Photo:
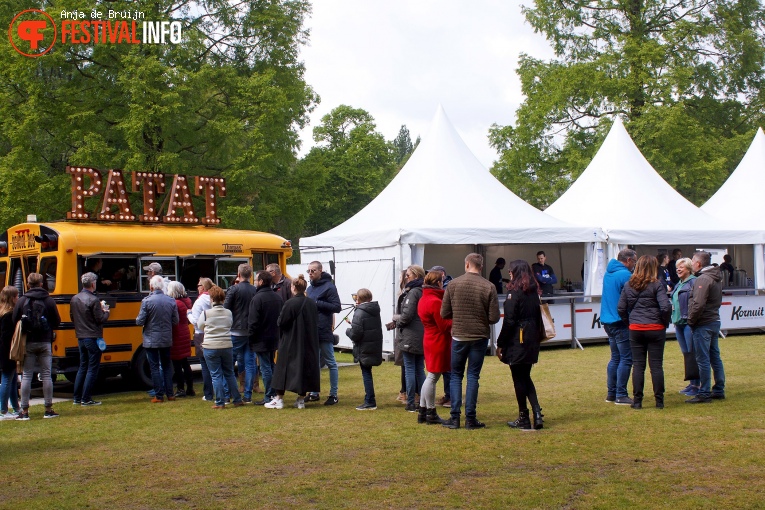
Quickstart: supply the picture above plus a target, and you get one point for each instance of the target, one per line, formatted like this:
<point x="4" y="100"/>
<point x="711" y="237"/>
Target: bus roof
<point x="176" y="240"/>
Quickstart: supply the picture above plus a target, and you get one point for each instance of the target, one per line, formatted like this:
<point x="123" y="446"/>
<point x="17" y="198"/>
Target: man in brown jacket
<point x="471" y="302"/>
<point x="704" y="319"/>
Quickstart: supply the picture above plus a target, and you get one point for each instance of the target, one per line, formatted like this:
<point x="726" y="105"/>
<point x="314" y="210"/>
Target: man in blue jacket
<point x="323" y="291"/>
<point x="618" y="272"/>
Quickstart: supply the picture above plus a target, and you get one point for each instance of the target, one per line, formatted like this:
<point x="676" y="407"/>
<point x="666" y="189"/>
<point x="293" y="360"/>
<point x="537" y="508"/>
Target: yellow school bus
<point x="117" y="253"/>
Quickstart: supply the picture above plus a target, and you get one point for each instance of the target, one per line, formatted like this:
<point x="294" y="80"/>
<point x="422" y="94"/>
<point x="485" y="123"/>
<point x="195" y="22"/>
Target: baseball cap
<point x="437" y="268"/>
<point x="154" y="266"/>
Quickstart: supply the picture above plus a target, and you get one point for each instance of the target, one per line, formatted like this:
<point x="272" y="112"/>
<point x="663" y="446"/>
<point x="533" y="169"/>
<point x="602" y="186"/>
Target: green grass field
<point x="129" y="453"/>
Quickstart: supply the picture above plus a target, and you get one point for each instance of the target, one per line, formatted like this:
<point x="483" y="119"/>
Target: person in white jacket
<point x="200" y="305"/>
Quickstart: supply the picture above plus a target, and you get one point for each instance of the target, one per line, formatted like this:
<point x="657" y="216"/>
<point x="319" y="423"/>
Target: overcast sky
<point x="400" y="59"/>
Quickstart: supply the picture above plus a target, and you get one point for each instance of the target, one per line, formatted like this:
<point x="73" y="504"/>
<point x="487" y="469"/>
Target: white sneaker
<point x="299" y="403"/>
<point x="10" y="415"/>
<point x="276" y="403"/>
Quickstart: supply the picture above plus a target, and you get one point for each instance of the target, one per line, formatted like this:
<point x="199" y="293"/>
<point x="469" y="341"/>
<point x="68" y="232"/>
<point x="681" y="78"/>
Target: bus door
<point x="226" y="270"/>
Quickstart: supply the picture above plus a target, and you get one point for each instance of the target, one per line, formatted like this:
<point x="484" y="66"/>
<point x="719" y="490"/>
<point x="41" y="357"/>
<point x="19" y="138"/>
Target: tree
<point x="403" y="146"/>
<point x="227" y="101"/>
<point x="350" y="166"/>
<point x="686" y="76"/>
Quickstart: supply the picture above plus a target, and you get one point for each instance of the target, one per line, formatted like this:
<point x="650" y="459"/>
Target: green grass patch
<point x="129" y="453"/>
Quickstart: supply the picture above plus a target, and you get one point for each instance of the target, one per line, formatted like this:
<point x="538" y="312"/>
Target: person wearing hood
<point x="436" y="343"/>
<point x="367" y="337"/>
<point x="704" y="319"/>
<point x="324" y="293"/>
<point x="265" y="307"/>
<point x="410" y="334"/>
<point x="618" y="272"/>
<point x="39" y="340"/>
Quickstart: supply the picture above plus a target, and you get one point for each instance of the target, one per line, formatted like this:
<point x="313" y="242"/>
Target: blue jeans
<point x="414" y="364"/>
<point x="266" y="361"/>
<point x="473" y="354"/>
<point x="369" y="385"/>
<point x="245" y="360"/>
<point x="221" y="365"/>
<point x="447" y="385"/>
<point x="327" y="357"/>
<point x="618" y="370"/>
<point x="90" y="360"/>
<point x="159" y="358"/>
<point x="9" y="390"/>
<point x="708" y="357"/>
<point x="684" y="336"/>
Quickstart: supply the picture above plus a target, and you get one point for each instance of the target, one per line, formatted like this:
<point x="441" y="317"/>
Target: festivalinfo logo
<point x="34" y="32"/>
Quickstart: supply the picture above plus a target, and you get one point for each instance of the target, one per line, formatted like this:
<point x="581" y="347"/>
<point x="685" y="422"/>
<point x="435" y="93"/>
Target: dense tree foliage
<point x="227" y="101"/>
<point x="686" y="76"/>
<point x="350" y="165"/>
<point x="402" y="145"/>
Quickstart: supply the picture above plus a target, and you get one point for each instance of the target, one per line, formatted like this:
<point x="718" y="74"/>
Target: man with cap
<point x="155" y="269"/>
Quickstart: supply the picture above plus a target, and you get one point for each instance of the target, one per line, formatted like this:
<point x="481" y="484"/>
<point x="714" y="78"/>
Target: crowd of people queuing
<point x="284" y="329"/>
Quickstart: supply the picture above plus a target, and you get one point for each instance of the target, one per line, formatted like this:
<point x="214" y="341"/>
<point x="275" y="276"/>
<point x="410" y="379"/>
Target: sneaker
<point x="411" y="408"/>
<point x="312" y="397"/>
<point x="247" y="400"/>
<point x="699" y="400"/>
<point x="76" y="402"/>
<point x="262" y="402"/>
<point x="50" y="414"/>
<point x="692" y="391"/>
<point x="180" y="394"/>
<point x="277" y="403"/>
<point x="90" y="403"/>
<point x="299" y="403"/>
<point x="151" y="393"/>
<point x="682" y="392"/>
<point x="23" y="416"/>
<point x="402" y="397"/>
<point x="157" y="400"/>
<point x="10" y="415"/>
<point x="331" y="400"/>
<point x="366" y="407"/>
<point x="623" y="401"/>
<point x="611" y="398"/>
<point x="473" y="424"/>
<point x="207" y="399"/>
<point x="718" y="396"/>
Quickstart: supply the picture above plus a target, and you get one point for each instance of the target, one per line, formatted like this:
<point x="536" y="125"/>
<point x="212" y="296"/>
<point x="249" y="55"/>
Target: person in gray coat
<point x="411" y="332"/>
<point x="158" y="315"/>
<point x="88" y="315"/>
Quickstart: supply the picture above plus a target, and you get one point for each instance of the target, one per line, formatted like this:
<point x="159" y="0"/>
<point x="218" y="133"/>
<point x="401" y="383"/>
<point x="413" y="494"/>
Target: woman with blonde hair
<point x="644" y="305"/>
<point x="683" y="333"/>
<point x="9" y="388"/>
<point x="410" y="334"/>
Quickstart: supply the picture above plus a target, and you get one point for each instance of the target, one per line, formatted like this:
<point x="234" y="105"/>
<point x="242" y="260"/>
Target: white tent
<point x="622" y="193"/>
<point x="442" y="196"/>
<point x="735" y="203"/>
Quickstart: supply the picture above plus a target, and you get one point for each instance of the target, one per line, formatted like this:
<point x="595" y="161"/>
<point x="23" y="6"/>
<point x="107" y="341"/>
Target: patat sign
<point x="115" y="204"/>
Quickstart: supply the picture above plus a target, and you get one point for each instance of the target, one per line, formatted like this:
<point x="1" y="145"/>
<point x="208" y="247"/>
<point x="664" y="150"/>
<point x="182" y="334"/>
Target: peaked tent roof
<point x="471" y="206"/>
<point x="622" y="193"/>
<point x="734" y="201"/>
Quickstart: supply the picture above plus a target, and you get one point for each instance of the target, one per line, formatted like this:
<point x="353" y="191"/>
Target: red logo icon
<point x="27" y="33"/>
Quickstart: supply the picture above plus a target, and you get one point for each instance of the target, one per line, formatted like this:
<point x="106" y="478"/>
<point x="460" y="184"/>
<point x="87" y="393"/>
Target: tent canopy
<point x="622" y="193"/>
<point x="444" y="195"/>
<point x="735" y="202"/>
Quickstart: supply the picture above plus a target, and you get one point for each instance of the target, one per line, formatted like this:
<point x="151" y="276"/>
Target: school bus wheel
<point x="141" y="370"/>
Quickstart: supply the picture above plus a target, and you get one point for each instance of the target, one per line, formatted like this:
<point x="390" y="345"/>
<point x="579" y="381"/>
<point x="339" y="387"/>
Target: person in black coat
<point x="265" y="307"/>
<point x="297" y="367"/>
<point x="367" y="337"/>
<point x="519" y="339"/>
<point x="9" y="385"/>
<point x="644" y="305"/>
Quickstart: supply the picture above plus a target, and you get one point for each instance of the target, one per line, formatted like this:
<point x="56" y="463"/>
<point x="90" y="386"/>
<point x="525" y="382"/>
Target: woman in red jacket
<point x="436" y="342"/>
<point x="181" y="348"/>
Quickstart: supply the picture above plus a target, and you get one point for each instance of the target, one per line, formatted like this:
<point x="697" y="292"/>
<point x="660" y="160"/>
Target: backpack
<point x="33" y="318"/>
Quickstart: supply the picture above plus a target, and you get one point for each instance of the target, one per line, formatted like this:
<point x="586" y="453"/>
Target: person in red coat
<point x="436" y="342"/>
<point x="181" y="348"/>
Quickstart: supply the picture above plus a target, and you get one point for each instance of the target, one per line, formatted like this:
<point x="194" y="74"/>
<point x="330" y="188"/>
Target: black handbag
<point x="691" y="367"/>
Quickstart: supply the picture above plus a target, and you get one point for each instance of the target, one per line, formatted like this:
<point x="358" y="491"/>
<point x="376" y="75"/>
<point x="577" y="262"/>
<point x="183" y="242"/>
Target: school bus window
<point x="31" y="264"/>
<point x="48" y="266"/>
<point x="114" y="273"/>
<point x="257" y="262"/>
<point x="168" y="270"/>
<point x="3" y="273"/>
<point x="193" y="269"/>
<point x="272" y="258"/>
<point x="227" y="271"/>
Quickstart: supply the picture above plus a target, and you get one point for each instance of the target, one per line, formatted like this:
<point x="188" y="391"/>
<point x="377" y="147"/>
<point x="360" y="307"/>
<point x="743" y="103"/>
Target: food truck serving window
<point x="169" y="269"/>
<point x="227" y="269"/>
